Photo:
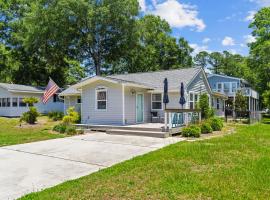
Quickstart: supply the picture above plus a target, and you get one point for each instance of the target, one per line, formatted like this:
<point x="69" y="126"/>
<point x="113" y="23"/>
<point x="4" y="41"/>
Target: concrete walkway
<point x="34" y="166"/>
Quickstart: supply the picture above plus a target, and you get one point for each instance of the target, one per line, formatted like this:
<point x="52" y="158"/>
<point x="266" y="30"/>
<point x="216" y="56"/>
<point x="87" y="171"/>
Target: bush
<point x="30" y="116"/>
<point x="71" y="117"/>
<point x="204" y="106"/>
<point x="67" y="120"/>
<point x="191" y="131"/>
<point x="206" y="128"/>
<point x="56" y="115"/>
<point x="71" y="130"/>
<point x="60" y="128"/>
<point x="216" y="123"/>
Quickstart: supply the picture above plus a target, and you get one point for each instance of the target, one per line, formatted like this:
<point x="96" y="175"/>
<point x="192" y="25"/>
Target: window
<point x="234" y="87"/>
<point x="79" y="100"/>
<point x="219" y="87"/>
<point x="193" y="100"/>
<point x="56" y="98"/>
<point x="156" y="101"/>
<point x="101" y="98"/>
<point x="226" y="87"/>
<point x="14" y="102"/>
<point x="3" y="102"/>
<point x="8" y="102"/>
<point x="218" y="103"/>
<point x="21" y="103"/>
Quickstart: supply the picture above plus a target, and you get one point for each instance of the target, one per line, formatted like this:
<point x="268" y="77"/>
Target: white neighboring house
<point x="135" y="98"/>
<point x="12" y="95"/>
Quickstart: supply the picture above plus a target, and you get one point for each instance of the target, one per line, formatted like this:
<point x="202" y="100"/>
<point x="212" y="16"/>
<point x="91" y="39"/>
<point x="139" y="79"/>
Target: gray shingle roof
<point x="155" y="79"/>
<point x="70" y="91"/>
<point x="17" y="87"/>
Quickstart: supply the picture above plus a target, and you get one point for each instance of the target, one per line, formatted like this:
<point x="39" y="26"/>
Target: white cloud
<point x="142" y="4"/>
<point x="197" y="48"/>
<point x="250" y="16"/>
<point x="261" y="3"/>
<point x="228" y="41"/>
<point x="178" y="15"/>
<point x="206" y="40"/>
<point x="249" y="39"/>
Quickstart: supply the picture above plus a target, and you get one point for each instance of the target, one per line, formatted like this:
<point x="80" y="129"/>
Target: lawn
<point x="236" y="166"/>
<point x="11" y="133"/>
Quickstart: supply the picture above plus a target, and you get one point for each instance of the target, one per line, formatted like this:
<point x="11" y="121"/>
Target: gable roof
<point x="22" y="88"/>
<point x="149" y="80"/>
<point x="229" y="77"/>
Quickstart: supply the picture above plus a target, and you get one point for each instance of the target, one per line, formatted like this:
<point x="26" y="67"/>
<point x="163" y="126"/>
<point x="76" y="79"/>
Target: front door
<point x="139" y="108"/>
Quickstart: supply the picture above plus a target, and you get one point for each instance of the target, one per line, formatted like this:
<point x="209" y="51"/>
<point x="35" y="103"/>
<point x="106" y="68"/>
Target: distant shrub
<point x="71" y="130"/>
<point x="191" y="131"/>
<point x="30" y="116"/>
<point x="216" y="123"/>
<point x="56" y="115"/>
<point x="60" y="128"/>
<point x="206" y="128"/>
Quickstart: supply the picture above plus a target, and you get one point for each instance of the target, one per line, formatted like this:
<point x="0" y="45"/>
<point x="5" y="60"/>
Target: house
<point x="229" y="86"/>
<point x="12" y="95"/>
<point x="135" y="98"/>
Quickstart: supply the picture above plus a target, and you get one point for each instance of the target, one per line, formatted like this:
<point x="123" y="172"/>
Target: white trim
<point x="194" y="102"/>
<point x="156" y="101"/>
<point x="101" y="89"/>
<point x="123" y="105"/>
<point x="139" y="93"/>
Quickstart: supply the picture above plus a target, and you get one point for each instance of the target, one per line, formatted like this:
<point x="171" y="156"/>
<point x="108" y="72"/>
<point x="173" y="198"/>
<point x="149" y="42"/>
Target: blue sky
<point x="211" y="25"/>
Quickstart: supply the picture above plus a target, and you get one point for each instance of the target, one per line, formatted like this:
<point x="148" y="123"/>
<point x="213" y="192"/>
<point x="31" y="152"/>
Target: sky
<point x="210" y="25"/>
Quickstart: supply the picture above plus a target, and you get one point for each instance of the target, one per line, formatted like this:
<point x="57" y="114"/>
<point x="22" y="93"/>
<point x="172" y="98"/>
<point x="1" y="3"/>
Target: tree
<point x="204" y="106"/>
<point x="260" y="49"/>
<point x="215" y="60"/>
<point x="201" y="59"/>
<point x="30" y="116"/>
<point x="266" y="97"/>
<point x="185" y="52"/>
<point x="240" y="104"/>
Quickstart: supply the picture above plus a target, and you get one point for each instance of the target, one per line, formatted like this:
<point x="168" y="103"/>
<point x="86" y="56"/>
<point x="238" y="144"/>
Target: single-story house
<point x="135" y="98"/>
<point x="12" y="95"/>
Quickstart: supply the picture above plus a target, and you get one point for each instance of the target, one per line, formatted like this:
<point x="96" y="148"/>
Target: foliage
<point x="216" y="123"/>
<point x="30" y="116"/>
<point x="204" y="106"/>
<point x="240" y="102"/>
<point x="266" y="97"/>
<point x="56" y="115"/>
<point x="206" y="128"/>
<point x="71" y="117"/>
<point x="71" y="130"/>
<point x="30" y="101"/>
<point x="61" y="128"/>
<point x="191" y="131"/>
<point x="201" y="59"/>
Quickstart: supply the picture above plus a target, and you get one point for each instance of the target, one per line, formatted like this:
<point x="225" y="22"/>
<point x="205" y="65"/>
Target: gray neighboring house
<point x="12" y="95"/>
<point x="135" y="98"/>
<point x="228" y="86"/>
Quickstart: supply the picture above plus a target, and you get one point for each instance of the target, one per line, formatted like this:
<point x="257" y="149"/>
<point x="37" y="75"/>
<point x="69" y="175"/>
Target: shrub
<point x="216" y="123"/>
<point x="30" y="116"/>
<point x="60" y="128"/>
<point x="191" y="131"/>
<point x="71" y="117"/>
<point x="71" y="130"/>
<point x="206" y="128"/>
<point x="30" y="101"/>
<point x="204" y="106"/>
<point x="56" y="115"/>
<point x="67" y="120"/>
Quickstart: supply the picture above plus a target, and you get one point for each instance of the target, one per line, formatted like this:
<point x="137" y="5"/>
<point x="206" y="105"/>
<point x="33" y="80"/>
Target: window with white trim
<point x="234" y="86"/>
<point x="101" y="99"/>
<point x="219" y="87"/>
<point x="157" y="101"/>
<point x="193" y="100"/>
<point x="218" y="104"/>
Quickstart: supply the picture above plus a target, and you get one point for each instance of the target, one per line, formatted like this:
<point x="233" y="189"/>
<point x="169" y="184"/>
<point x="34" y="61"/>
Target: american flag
<point x="50" y="90"/>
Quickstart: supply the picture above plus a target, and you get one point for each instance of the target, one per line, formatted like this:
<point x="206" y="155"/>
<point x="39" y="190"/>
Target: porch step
<point x="138" y="133"/>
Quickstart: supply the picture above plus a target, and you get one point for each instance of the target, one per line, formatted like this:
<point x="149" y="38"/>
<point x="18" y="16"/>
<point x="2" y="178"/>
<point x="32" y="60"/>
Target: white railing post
<point x="166" y="121"/>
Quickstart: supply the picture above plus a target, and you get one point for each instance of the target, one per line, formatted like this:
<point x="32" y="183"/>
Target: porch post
<point x="166" y="120"/>
<point x="123" y="105"/>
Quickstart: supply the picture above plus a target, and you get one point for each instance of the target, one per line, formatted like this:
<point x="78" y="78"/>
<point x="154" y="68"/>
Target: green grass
<point x="11" y="133"/>
<point x="236" y="166"/>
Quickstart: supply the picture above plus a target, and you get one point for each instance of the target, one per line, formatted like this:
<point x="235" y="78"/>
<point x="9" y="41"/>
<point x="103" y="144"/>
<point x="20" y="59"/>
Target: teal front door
<point x="139" y="108"/>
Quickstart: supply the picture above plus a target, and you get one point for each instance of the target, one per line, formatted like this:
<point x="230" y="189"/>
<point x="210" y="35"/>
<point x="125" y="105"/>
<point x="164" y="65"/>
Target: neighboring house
<point x="135" y="98"/>
<point x="229" y="86"/>
<point x="12" y="95"/>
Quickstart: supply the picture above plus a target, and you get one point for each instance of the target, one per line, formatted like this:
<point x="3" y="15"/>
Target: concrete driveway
<point x="34" y="166"/>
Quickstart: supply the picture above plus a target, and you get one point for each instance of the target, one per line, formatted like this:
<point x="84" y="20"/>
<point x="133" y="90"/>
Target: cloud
<point x="178" y="15"/>
<point x="142" y="4"/>
<point x="228" y="41"/>
<point x="250" y="16"/>
<point x="249" y="39"/>
<point x="206" y="40"/>
<point x="197" y="48"/>
<point x="261" y="3"/>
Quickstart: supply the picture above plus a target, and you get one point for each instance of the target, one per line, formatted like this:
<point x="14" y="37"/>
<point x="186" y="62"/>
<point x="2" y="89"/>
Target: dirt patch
<point x="38" y="124"/>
